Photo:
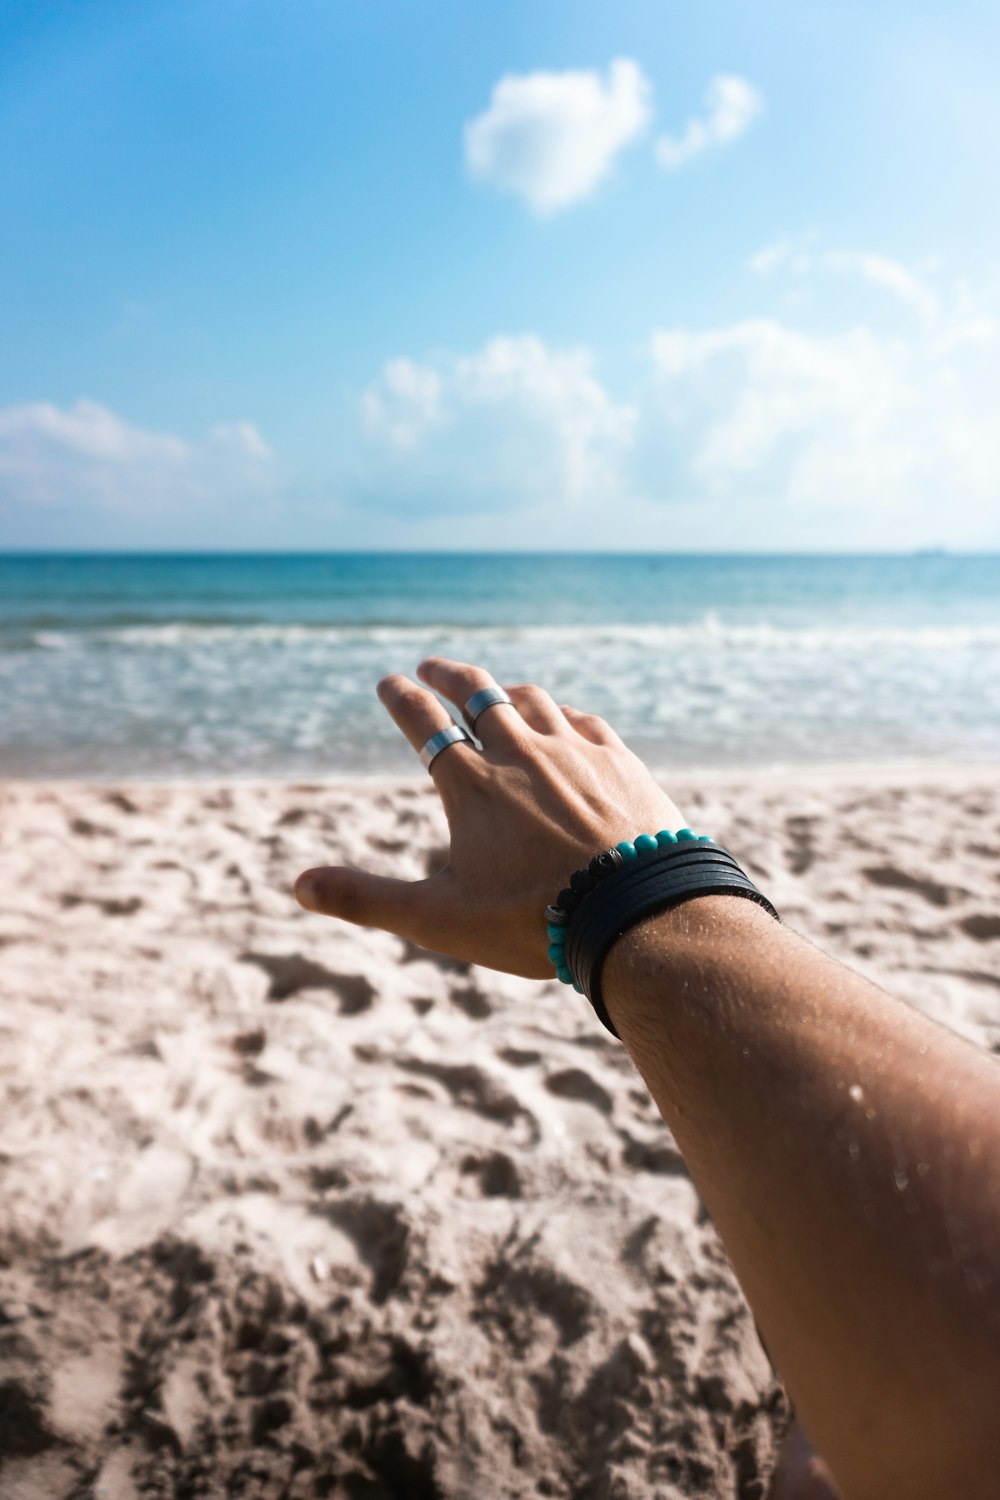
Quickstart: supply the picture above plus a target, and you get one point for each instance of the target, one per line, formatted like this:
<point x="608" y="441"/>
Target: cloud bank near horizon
<point x="876" y="430"/>
<point x="866" y="424"/>
<point x="85" y="456"/>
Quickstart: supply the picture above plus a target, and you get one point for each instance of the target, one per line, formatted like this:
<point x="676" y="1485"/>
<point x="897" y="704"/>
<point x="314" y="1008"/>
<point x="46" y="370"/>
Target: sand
<point x="290" y="1209"/>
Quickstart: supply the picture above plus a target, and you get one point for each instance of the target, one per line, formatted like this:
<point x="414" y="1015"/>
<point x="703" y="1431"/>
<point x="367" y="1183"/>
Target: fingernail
<point x="306" y="893"/>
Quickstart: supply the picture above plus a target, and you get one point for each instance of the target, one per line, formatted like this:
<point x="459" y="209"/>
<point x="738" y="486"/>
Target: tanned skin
<point x="847" y="1148"/>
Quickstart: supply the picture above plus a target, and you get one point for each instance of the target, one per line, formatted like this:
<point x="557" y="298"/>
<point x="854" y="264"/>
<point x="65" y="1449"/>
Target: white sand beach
<point x="290" y="1209"/>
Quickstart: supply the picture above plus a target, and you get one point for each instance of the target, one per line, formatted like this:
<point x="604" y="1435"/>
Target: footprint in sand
<point x="982" y="926"/>
<point x="519" y="1057"/>
<point x="381" y="1236"/>
<point x="470" y="999"/>
<point x="802" y="854"/>
<point x="291" y="972"/>
<point x="472" y="1088"/>
<point x="518" y="1286"/>
<point x="893" y="879"/>
<point x="574" y="1083"/>
<point x="496" y="1174"/>
<point x="658" y="1156"/>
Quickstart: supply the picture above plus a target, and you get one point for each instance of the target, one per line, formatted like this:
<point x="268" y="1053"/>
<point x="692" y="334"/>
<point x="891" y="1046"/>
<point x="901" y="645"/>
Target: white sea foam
<point x="707" y="632"/>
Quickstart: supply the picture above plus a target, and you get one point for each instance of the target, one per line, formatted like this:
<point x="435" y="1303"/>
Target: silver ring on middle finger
<point x="487" y="697"/>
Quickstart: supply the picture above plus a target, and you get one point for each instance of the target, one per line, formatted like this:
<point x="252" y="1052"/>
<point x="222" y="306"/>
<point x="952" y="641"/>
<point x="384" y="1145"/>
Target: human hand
<point x="551" y="787"/>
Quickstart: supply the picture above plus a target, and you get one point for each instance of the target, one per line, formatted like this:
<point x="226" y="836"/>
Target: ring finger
<point x="590" y="726"/>
<point x="538" y="708"/>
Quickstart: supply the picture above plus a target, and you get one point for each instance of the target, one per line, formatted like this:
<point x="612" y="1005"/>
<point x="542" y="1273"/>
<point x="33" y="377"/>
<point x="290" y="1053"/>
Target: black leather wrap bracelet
<point x="663" y="878"/>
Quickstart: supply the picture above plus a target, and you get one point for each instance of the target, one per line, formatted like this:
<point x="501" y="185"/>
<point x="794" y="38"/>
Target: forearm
<point x="849" y="1152"/>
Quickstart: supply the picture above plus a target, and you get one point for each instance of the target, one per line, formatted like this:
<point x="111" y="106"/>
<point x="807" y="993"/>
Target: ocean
<point x="209" y="666"/>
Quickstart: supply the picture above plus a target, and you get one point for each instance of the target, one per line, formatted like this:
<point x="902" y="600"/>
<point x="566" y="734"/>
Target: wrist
<point x="677" y="957"/>
<point x="621" y="887"/>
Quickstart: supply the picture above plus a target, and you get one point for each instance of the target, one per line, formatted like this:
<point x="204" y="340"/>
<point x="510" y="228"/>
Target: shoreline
<point x="902" y="770"/>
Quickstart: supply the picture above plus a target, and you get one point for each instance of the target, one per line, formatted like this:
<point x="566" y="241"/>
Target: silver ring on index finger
<point x="431" y="749"/>
<point x="477" y="705"/>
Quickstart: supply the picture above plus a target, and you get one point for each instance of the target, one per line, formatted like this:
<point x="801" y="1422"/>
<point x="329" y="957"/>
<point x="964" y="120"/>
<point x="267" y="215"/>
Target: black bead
<point x="568" y="901"/>
<point x="582" y="881"/>
<point x="555" y="916"/>
<point x="602" y="864"/>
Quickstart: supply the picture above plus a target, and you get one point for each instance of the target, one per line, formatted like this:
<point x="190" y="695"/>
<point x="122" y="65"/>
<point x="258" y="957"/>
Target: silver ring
<point x="481" y="701"/>
<point x="440" y="741"/>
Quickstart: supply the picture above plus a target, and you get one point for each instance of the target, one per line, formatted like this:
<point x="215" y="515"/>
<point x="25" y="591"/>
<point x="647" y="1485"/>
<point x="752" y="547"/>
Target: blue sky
<point x="533" y="274"/>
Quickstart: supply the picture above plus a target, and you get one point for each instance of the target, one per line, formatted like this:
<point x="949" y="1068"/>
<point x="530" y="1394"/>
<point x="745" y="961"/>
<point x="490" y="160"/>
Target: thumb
<point x="357" y="896"/>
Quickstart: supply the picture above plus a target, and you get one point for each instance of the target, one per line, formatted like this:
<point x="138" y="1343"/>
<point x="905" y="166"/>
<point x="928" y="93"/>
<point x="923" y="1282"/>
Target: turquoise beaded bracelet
<point x="557" y="915"/>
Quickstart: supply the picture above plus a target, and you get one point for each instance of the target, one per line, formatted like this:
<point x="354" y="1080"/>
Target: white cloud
<point x="783" y="255"/>
<point x="950" y="318"/>
<point x="888" y="275"/>
<point x="404" y="405"/>
<point x="551" y="138"/>
<point x="757" y="393"/>
<point x="860" y="423"/>
<point x="241" y="437"/>
<point x="891" y="433"/>
<point x="86" y="455"/>
<point x="731" y="106"/>
<point x="515" y="424"/>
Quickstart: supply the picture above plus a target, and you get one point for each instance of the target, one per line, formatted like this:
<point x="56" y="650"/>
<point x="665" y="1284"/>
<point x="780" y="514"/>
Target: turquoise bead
<point x="557" y="954"/>
<point x="578" y="987"/>
<point x="564" y="974"/>
<point x="687" y="835"/>
<point x="627" y="851"/>
<point x="665" y="837"/>
<point x="555" y="934"/>
<point x="706" y="838"/>
<point x="644" y="843"/>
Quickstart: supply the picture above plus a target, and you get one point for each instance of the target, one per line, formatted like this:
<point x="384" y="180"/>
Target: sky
<point x="430" y="274"/>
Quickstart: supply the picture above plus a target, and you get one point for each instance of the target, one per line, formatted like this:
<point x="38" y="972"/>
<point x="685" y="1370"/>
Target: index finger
<point x="419" y="715"/>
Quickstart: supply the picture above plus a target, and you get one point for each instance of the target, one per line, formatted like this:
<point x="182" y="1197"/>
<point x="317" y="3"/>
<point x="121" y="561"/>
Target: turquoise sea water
<point x="265" y="665"/>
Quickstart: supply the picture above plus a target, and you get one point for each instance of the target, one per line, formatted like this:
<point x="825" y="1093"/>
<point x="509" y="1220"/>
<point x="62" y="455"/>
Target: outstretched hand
<point x="550" y="787"/>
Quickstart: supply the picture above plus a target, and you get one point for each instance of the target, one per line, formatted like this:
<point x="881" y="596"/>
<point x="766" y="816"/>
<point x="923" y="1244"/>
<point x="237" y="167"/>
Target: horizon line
<point x="305" y="552"/>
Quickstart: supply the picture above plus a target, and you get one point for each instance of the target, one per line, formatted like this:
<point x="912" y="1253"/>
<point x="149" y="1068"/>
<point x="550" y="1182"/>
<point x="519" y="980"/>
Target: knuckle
<point x="477" y="768"/>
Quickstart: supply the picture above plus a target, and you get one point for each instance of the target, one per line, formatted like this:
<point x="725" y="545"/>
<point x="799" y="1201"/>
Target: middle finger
<point x="457" y="681"/>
